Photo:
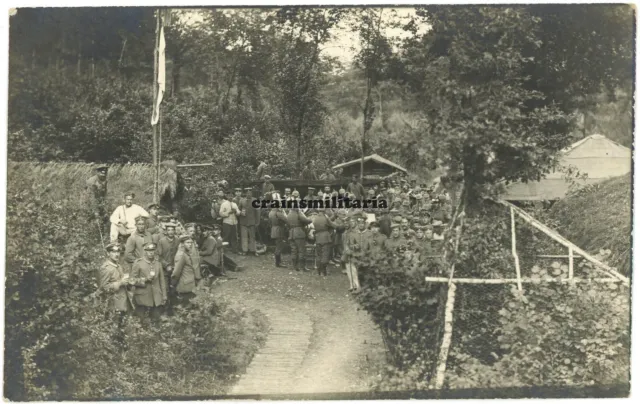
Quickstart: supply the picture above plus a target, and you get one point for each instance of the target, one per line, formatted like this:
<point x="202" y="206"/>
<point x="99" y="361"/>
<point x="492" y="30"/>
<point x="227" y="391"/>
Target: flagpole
<point x="155" y="96"/>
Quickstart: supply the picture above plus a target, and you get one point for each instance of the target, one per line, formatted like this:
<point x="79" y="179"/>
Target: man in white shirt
<point x="229" y="212"/>
<point x="123" y="219"/>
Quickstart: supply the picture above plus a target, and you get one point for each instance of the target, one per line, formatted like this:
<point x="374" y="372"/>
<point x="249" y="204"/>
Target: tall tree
<point x="299" y="68"/>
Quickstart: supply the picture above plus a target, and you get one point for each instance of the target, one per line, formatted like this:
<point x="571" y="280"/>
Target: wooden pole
<point x="570" y="263"/>
<point x="514" y="251"/>
<point x="446" y="338"/>
<point x="436" y="279"/>
<point x="557" y="237"/>
<point x="155" y="96"/>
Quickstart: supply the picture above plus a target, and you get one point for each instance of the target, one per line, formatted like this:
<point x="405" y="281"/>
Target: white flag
<point x="161" y="77"/>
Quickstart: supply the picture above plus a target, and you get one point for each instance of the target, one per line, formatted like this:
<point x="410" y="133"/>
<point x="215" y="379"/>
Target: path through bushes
<point x="318" y="342"/>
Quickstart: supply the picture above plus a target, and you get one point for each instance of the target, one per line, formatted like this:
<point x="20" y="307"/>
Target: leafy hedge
<point x="59" y="335"/>
<point x="554" y="334"/>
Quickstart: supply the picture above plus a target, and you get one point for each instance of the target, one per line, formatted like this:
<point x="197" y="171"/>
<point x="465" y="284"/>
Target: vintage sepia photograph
<point x="319" y="202"/>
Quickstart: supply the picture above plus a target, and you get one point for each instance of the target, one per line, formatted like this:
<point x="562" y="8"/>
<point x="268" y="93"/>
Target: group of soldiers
<point x="155" y="263"/>
<point x="413" y="224"/>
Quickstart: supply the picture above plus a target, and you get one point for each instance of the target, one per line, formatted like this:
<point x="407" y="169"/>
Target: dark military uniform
<point x="297" y="234"/>
<point x="322" y="224"/>
<point x="184" y="276"/>
<point x="110" y="279"/>
<point x="134" y="248"/>
<point x="278" y="221"/>
<point x="110" y="273"/>
<point x="151" y="289"/>
<point x="248" y="223"/>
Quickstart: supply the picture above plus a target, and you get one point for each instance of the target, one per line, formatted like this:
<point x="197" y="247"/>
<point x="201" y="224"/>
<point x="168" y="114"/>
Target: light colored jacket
<point x="122" y="214"/>
<point x="229" y="212"/>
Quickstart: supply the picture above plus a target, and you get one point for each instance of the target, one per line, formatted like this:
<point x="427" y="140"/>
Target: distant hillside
<point x="599" y="217"/>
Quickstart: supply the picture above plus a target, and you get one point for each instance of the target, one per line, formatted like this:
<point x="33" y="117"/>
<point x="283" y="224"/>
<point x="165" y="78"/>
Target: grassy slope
<point x="599" y="217"/>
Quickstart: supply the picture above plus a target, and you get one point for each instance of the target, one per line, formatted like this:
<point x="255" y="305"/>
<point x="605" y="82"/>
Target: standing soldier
<point x="262" y="170"/>
<point x="310" y="194"/>
<point x="167" y="249"/>
<point x="151" y="288"/>
<point x="378" y="239"/>
<point x="215" y="206"/>
<point x="358" y="244"/>
<point x="97" y="195"/>
<point x="322" y="224"/>
<point x="153" y="224"/>
<point x="338" y="236"/>
<point x="114" y="280"/>
<point x="249" y="219"/>
<point x="184" y="276"/>
<point x="229" y="212"/>
<point x="308" y="173"/>
<point x="237" y="195"/>
<point x="297" y="222"/>
<point x="396" y="240"/>
<point x="328" y="175"/>
<point x="134" y="249"/>
<point x="278" y="220"/>
<point x="267" y="187"/>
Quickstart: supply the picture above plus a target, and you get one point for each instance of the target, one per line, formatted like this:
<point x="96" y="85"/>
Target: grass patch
<point x="599" y="217"/>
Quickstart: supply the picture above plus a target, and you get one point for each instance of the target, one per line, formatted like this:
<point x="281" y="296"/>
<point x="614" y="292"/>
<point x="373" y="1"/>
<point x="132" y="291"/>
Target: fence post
<point x="570" y="263"/>
<point x="513" y="248"/>
<point x="446" y="338"/>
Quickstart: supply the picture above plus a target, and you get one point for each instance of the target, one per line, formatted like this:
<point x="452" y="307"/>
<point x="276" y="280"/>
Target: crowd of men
<point x="413" y="224"/>
<point x="154" y="263"/>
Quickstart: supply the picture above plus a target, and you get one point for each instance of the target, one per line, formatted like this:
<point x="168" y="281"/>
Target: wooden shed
<point x="374" y="165"/>
<point x="597" y="156"/>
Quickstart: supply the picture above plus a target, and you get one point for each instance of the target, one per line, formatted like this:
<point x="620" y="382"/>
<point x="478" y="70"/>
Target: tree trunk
<point x="175" y="76"/>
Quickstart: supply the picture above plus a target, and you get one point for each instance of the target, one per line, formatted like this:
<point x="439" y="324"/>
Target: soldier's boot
<point x="279" y="263"/>
<point x="320" y="268"/>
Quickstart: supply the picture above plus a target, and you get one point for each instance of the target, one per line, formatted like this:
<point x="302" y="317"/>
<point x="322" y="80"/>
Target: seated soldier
<point x="211" y="252"/>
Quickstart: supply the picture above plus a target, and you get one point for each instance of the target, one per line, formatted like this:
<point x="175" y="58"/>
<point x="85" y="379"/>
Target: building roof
<point x="373" y="157"/>
<point x="596" y="156"/>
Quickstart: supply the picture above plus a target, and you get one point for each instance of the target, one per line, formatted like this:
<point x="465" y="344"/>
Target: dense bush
<point x="58" y="334"/>
<point x="554" y="334"/>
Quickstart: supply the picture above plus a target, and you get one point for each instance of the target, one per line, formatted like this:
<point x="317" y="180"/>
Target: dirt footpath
<point x="318" y="342"/>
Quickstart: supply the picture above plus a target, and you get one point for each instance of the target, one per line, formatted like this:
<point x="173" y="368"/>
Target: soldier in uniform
<point x="358" y="242"/>
<point x="308" y="173"/>
<point x="211" y="251"/>
<point x="396" y="240"/>
<point x="267" y="187"/>
<point x="310" y="196"/>
<point x="378" y="239"/>
<point x="97" y="195"/>
<point x="134" y="248"/>
<point x="150" y="287"/>
<point x="184" y="276"/>
<point x="113" y="279"/>
<point x="153" y="224"/>
<point x="297" y="221"/>
<point x="249" y="219"/>
<point x="237" y="195"/>
<point x="167" y="250"/>
<point x="322" y="225"/>
<point x="338" y="235"/>
<point x="278" y="220"/>
<point x="406" y="230"/>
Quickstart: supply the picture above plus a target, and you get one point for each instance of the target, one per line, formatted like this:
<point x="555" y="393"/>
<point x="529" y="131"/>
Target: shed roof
<point x="597" y="156"/>
<point x="373" y="157"/>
